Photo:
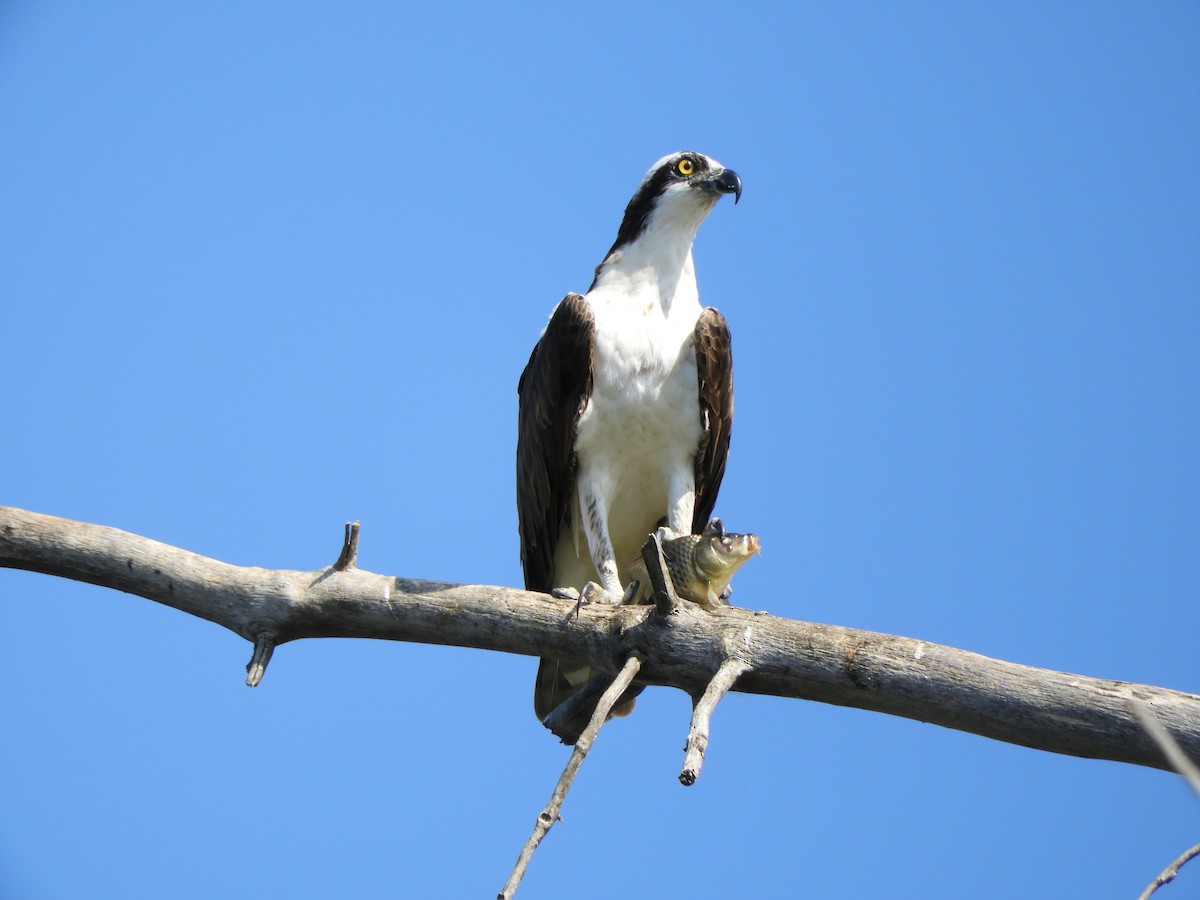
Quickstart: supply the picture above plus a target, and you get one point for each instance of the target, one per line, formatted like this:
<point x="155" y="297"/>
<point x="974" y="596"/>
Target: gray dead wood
<point x="1186" y="768"/>
<point x="702" y="711"/>
<point x="1171" y="872"/>
<point x="1037" y="708"/>
<point x="548" y="816"/>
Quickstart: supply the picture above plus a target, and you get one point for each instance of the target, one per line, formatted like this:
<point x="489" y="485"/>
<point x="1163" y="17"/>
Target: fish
<point x="702" y="565"/>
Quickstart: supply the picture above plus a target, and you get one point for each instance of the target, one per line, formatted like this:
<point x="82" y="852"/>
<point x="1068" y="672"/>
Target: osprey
<point x="625" y="408"/>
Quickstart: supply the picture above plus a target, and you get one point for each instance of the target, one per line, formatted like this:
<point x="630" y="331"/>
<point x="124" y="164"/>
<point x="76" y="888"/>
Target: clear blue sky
<point x="268" y="267"/>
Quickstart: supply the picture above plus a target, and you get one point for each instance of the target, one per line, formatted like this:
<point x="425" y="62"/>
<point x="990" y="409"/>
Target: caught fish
<point x="702" y="565"/>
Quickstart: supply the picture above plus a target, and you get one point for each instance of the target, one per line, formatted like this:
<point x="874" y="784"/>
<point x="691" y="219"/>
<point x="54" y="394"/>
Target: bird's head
<point x="677" y="193"/>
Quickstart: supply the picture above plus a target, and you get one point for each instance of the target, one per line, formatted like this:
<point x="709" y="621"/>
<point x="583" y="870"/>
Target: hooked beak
<point x="724" y="181"/>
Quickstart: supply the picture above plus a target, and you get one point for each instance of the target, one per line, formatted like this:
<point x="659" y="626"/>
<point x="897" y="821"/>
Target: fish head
<point x="720" y="553"/>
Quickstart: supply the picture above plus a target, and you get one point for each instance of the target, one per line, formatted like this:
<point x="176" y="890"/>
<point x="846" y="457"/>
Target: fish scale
<point x="702" y="565"/>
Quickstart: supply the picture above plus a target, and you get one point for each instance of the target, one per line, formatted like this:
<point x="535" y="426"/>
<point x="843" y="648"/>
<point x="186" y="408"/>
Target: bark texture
<point x="1038" y="708"/>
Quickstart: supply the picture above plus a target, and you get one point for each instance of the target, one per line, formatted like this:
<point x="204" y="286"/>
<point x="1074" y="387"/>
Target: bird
<point x="625" y="410"/>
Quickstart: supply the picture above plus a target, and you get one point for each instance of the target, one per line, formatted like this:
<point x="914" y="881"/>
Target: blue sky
<point x="270" y="267"/>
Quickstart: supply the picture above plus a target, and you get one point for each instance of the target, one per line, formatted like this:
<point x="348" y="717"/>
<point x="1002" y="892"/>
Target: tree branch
<point x="1038" y="708"/>
<point x="548" y="816"/>
<point x="1170" y="873"/>
<point x="348" y="558"/>
<point x="264" y="646"/>
<point x="1187" y="769"/>
<point x="702" y="710"/>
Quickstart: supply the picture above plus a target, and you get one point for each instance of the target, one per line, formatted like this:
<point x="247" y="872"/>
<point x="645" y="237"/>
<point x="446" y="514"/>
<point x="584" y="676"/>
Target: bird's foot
<point x="665" y="533"/>
<point x="595" y="593"/>
<point x="570" y="593"/>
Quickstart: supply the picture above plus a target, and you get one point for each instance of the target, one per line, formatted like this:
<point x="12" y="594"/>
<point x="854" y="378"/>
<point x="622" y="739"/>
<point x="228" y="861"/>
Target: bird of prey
<point x="626" y="406"/>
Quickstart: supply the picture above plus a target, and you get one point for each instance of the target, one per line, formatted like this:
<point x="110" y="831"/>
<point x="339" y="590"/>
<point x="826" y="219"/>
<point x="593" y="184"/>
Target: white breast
<point x="638" y="434"/>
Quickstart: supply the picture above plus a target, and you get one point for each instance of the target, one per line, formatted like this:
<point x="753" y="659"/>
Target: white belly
<point x="637" y="437"/>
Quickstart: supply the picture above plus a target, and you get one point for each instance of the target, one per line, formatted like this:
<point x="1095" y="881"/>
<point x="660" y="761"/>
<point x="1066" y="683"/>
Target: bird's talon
<point x="595" y="593"/>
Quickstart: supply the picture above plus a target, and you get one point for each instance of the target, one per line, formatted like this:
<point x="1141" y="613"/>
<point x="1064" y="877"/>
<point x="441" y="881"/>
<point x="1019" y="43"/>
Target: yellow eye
<point x="685" y="166"/>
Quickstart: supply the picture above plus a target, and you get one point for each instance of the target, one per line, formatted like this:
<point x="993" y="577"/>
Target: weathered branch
<point x="348" y="558"/>
<point x="264" y="646"/>
<point x="730" y="667"/>
<point x="1169" y="874"/>
<point x="548" y="816"/>
<point x="1037" y="708"/>
<point x="665" y="599"/>
<point x="1186" y="768"/>
<point x="702" y="709"/>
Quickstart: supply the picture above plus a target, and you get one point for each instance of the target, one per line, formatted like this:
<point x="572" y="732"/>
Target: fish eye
<point x="685" y="166"/>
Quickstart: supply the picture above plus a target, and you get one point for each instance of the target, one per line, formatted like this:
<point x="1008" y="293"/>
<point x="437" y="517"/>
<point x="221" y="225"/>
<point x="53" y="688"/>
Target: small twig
<point x="1168" y="874"/>
<point x="549" y="815"/>
<point x="1166" y="743"/>
<point x="264" y="646"/>
<point x="562" y="719"/>
<point x="1180" y="763"/>
<point x="702" y="710"/>
<point x="666" y="601"/>
<point x="349" y="555"/>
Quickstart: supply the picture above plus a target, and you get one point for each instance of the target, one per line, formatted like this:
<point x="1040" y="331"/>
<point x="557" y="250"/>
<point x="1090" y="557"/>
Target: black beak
<point x="725" y="181"/>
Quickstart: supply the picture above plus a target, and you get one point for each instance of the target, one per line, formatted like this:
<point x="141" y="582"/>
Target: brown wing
<point x="714" y="372"/>
<point x="553" y="389"/>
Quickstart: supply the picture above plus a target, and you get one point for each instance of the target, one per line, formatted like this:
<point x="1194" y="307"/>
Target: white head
<point x="682" y="187"/>
<point x="673" y="199"/>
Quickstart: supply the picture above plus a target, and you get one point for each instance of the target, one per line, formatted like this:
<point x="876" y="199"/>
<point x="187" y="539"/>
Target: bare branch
<point x="1039" y="708"/>
<point x="348" y="558"/>
<point x="562" y="719"/>
<point x="665" y="599"/>
<point x="1184" y="766"/>
<point x="264" y="646"/>
<point x="1167" y="743"/>
<point x="550" y="815"/>
<point x="1168" y="874"/>
<point x="702" y="710"/>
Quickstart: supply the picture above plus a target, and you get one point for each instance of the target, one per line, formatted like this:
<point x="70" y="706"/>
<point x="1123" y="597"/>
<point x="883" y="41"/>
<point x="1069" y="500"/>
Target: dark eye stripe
<point x="642" y="203"/>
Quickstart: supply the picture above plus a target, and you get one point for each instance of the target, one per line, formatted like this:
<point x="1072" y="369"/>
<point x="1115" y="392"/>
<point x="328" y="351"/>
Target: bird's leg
<point x="595" y="527"/>
<point x="681" y="501"/>
<point x="606" y="566"/>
